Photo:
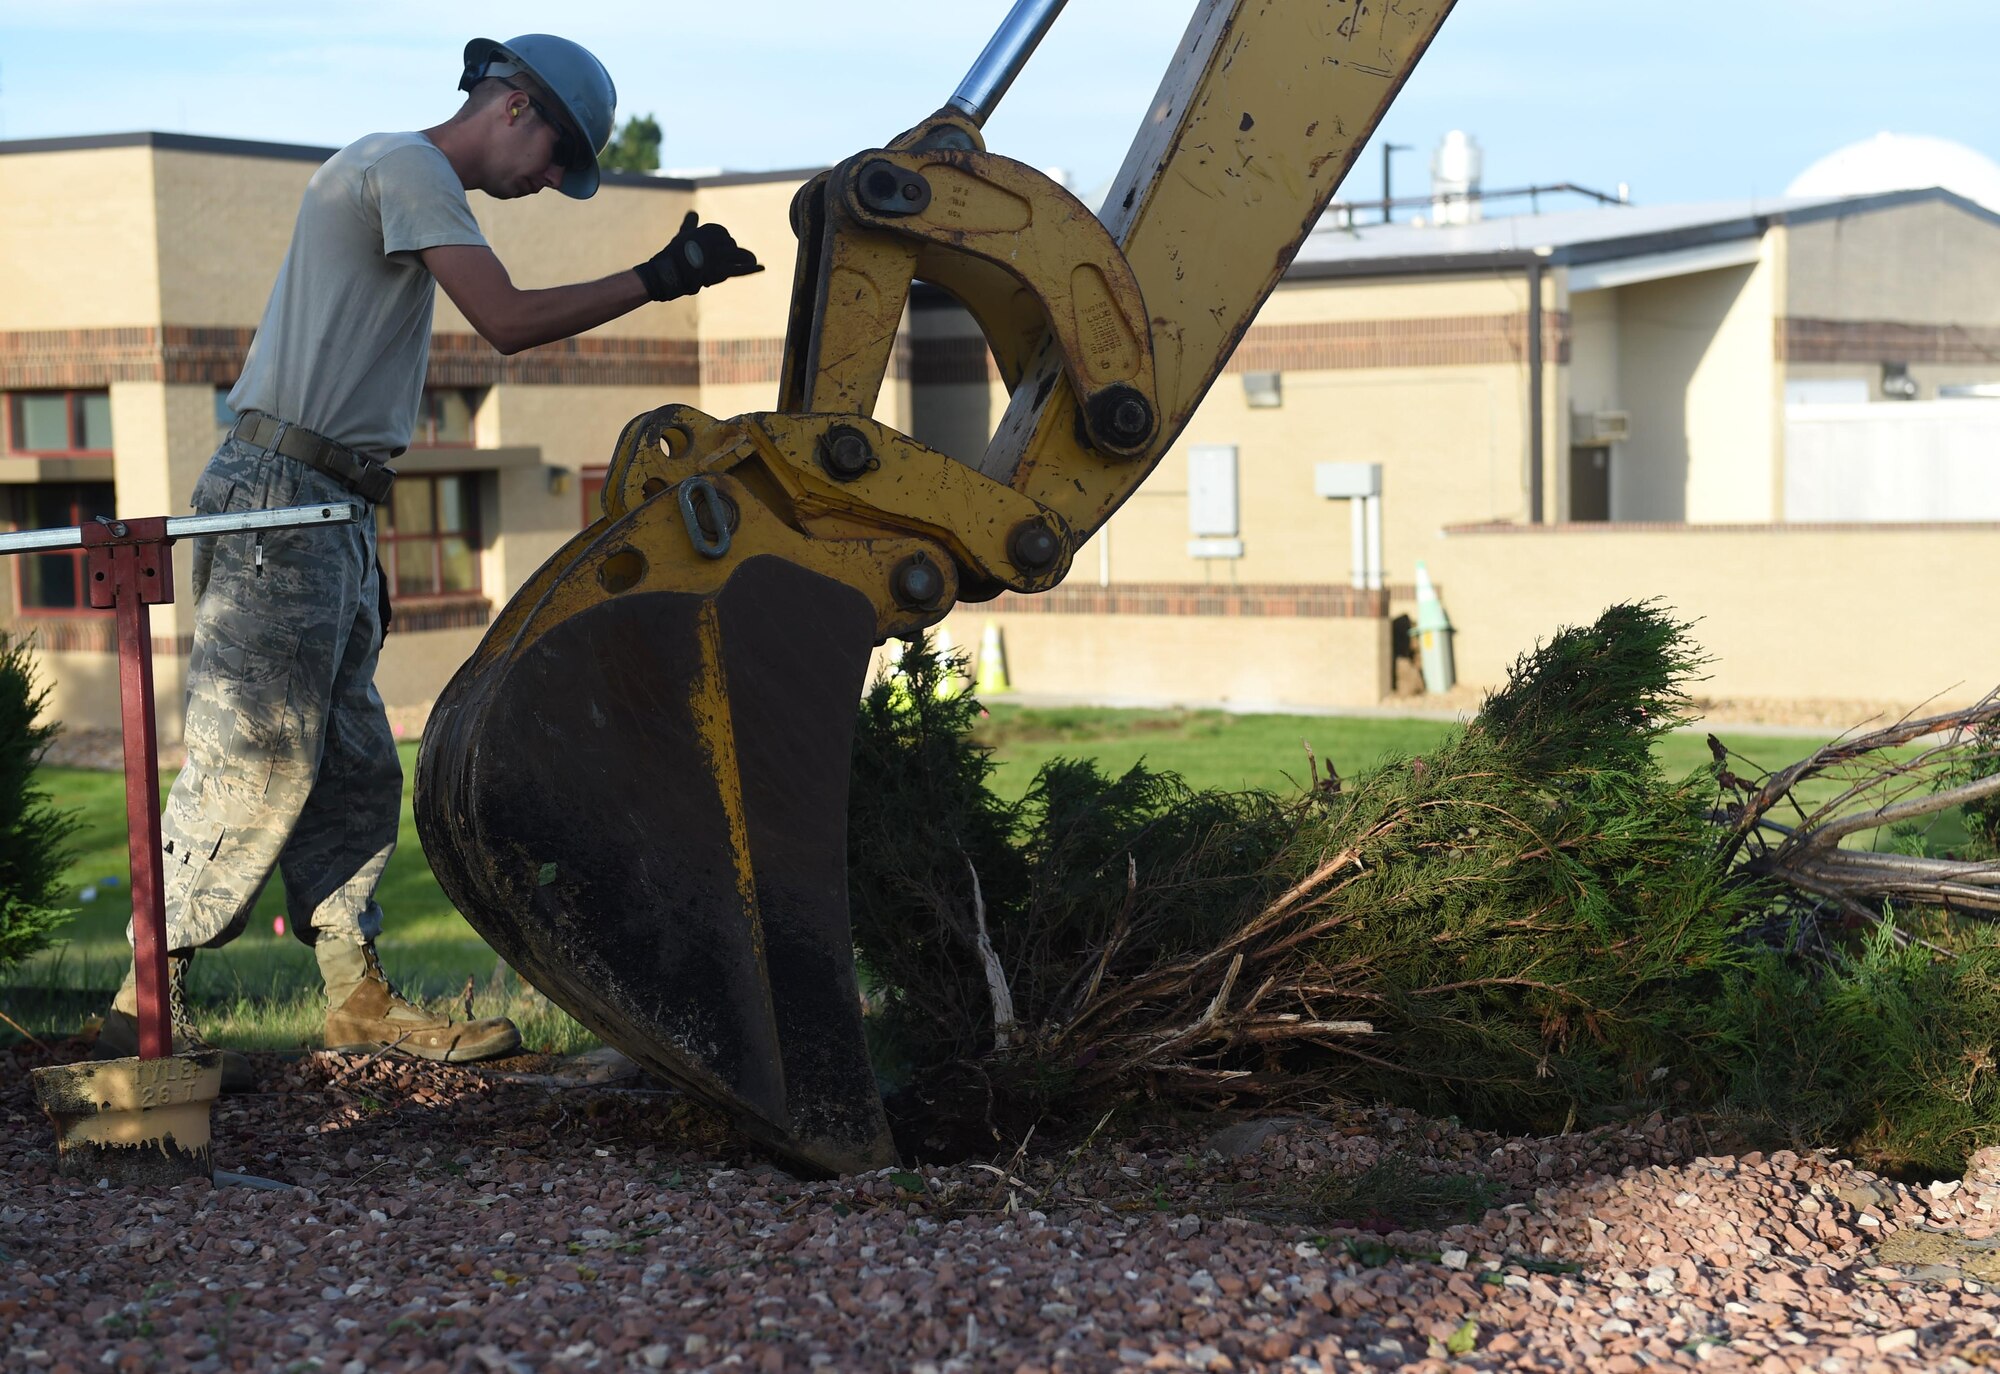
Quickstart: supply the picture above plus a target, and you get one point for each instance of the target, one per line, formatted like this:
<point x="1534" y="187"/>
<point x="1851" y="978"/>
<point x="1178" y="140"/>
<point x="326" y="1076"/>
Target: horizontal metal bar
<point x="34" y="541"/>
<point x="187" y="526"/>
<point x="1019" y="33"/>
<point x="283" y="518"/>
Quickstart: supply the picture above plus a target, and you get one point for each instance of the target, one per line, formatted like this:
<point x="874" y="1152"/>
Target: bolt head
<point x="845" y="452"/>
<point x="917" y="583"/>
<point x="1033" y="546"/>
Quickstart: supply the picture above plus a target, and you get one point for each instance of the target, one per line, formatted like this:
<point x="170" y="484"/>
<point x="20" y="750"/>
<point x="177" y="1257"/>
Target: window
<point x="593" y="493"/>
<point x="429" y="535"/>
<point x="54" y="582"/>
<point x="444" y="418"/>
<point x="59" y="423"/>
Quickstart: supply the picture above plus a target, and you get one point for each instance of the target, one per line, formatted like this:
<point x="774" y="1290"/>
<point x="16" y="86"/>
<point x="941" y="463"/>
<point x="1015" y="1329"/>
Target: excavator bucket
<point x="674" y="879"/>
<point x="636" y="790"/>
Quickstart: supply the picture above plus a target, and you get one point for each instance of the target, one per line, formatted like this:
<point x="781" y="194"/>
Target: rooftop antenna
<point x="1388" y="200"/>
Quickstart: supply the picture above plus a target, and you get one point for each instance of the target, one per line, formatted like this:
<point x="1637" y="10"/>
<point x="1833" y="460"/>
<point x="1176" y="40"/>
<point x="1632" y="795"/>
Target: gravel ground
<point x="445" y="1219"/>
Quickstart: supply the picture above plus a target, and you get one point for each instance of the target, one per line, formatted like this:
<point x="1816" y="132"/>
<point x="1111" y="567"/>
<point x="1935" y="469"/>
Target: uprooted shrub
<point x="1503" y="928"/>
<point x="1529" y="926"/>
<point x="34" y="835"/>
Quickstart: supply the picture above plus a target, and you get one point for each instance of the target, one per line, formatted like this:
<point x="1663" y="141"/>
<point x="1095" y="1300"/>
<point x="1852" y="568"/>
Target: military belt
<point x="357" y="472"/>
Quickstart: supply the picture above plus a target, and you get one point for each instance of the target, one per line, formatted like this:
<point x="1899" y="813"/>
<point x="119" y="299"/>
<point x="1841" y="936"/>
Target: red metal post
<point x="130" y="565"/>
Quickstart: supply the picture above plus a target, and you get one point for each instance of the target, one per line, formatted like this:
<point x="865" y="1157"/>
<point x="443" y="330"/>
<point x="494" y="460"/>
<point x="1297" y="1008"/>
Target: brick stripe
<point x="957" y="361"/>
<point x="197" y="354"/>
<point x="457" y="613"/>
<point x="1442" y="341"/>
<point x="88" y="634"/>
<point x="734" y="362"/>
<point x="1446" y="341"/>
<point x="1805" y="340"/>
<point x="468" y="360"/>
<point x="69" y="634"/>
<point x="1303" y="600"/>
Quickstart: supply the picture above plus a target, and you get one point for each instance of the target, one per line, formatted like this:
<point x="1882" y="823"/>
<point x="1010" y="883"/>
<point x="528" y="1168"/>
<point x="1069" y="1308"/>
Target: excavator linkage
<point x="636" y="789"/>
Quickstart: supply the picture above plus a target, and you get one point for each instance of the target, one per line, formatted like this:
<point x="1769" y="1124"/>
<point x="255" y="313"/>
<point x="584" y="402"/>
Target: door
<point x="1590" y="482"/>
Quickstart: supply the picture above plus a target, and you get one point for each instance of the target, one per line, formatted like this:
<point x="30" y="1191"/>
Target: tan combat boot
<point x="118" y="1038"/>
<point x="363" y="1013"/>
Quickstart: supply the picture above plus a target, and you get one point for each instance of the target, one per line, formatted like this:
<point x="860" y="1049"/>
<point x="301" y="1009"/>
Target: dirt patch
<point x="444" y="1219"/>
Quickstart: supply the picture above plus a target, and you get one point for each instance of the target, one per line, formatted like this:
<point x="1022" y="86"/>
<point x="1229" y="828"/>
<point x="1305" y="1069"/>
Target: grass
<point x="1217" y="749"/>
<point x="261" y="991"/>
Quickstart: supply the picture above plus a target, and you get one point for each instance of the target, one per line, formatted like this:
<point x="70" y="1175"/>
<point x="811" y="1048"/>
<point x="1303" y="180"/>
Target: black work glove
<point x="700" y="255"/>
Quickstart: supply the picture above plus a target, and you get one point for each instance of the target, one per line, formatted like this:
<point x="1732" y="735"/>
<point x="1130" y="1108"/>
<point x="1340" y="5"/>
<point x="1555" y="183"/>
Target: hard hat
<point x="568" y="72"/>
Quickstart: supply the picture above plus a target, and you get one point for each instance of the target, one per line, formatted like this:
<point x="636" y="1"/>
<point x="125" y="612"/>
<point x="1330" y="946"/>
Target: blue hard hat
<point x="568" y="72"/>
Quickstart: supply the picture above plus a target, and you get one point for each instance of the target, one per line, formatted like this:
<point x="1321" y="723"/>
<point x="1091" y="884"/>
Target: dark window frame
<point x="393" y="545"/>
<point x="73" y="413"/>
<point x="25" y="563"/>
<point x="424" y="433"/>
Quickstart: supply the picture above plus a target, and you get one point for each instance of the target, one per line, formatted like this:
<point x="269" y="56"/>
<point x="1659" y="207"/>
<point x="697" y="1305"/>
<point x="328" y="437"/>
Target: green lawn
<point x="1216" y="749"/>
<point x="261" y="990"/>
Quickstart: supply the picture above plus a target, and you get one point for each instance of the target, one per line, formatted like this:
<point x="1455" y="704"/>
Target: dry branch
<point x="1958" y="769"/>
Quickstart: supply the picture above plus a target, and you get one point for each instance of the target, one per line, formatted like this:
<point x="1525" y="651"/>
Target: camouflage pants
<point x="290" y="760"/>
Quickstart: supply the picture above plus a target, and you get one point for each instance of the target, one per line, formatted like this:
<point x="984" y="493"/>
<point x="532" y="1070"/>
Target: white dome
<point x="1902" y="162"/>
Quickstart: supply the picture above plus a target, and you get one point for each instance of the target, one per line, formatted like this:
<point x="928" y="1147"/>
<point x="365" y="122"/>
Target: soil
<point x="542" y="1216"/>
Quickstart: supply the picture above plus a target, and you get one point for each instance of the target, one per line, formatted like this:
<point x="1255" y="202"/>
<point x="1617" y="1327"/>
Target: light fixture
<point x="1897" y="383"/>
<point x="558" y="481"/>
<point x="1263" y="390"/>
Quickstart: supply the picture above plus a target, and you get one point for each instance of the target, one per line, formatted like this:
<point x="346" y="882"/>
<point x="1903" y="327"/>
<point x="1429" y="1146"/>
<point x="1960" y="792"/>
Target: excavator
<point x="636" y="788"/>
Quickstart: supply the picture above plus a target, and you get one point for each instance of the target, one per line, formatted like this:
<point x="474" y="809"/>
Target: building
<point x="1747" y="410"/>
<point x="1744" y="409"/>
<point x="133" y="271"/>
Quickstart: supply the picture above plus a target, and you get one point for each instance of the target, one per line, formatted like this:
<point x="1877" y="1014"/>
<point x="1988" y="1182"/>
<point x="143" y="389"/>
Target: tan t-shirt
<point x="345" y="340"/>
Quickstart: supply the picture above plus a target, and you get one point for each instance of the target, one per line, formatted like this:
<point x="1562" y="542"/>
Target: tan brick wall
<point x="758" y="215"/>
<point x="224" y="225"/>
<point x="1319" y="302"/>
<point x="1694" y="372"/>
<point x="1890" y="613"/>
<point x="1924" y="264"/>
<point x="575" y="428"/>
<point x="415" y="667"/>
<point x="1189" y="660"/>
<point x="77" y="242"/>
<point x="1450" y="441"/>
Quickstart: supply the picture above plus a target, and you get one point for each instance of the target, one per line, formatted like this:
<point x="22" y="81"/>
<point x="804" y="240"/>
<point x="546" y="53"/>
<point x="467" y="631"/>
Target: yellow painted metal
<point x="1007" y="312"/>
<point x="715" y="728"/>
<point x="908" y="489"/>
<point x="648" y="548"/>
<point x="991" y="210"/>
<point x="863" y="285"/>
<point x="1264" y="111"/>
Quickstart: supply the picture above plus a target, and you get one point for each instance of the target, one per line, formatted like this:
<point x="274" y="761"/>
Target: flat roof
<point x="1574" y="237"/>
<point x="299" y="152"/>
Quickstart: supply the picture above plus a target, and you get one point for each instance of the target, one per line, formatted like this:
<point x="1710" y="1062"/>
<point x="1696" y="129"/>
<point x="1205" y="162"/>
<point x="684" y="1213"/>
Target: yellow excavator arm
<point x="636" y="789"/>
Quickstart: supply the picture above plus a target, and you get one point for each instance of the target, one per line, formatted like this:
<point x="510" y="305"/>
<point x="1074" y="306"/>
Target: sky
<point x="1681" y="102"/>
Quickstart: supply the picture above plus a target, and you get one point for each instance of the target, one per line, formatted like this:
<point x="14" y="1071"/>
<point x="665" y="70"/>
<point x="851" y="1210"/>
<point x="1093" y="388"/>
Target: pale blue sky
<point x="1684" y="102"/>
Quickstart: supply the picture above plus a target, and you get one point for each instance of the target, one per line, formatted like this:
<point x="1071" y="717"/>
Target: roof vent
<point x="1456" y="167"/>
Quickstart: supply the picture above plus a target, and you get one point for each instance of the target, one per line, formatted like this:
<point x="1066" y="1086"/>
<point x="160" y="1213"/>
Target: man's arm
<point x="512" y="319"/>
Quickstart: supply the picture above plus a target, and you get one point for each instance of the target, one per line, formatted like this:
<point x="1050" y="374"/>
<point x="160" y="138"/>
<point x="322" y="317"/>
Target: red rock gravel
<point x="447" y="1219"/>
